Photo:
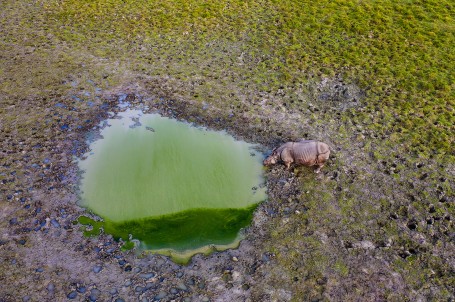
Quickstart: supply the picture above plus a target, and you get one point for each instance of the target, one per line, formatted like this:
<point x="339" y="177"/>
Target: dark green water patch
<point x="174" y="188"/>
<point x="216" y="227"/>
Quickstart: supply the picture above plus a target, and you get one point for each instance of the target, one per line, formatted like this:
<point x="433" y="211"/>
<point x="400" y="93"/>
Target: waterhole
<point x="171" y="187"/>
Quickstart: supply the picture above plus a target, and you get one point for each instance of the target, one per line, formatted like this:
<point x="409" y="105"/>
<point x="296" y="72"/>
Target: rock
<point x="81" y="289"/>
<point x="113" y="291"/>
<point x="94" y="294"/>
<point x="119" y="300"/>
<point x="72" y="295"/>
<point x="139" y="289"/>
<point x="97" y="269"/>
<point x="137" y="270"/>
<point x="147" y="275"/>
<point x="182" y="286"/>
<point x="174" y="291"/>
<point x="122" y="262"/>
<point x="55" y="223"/>
<point x="161" y="295"/>
<point x="50" y="287"/>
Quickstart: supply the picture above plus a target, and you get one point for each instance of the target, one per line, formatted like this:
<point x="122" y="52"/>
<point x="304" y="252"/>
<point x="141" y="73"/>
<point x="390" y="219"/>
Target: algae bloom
<point x="177" y="188"/>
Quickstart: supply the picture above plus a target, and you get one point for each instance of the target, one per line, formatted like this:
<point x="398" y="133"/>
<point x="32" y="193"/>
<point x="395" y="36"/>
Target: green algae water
<point x="176" y="188"/>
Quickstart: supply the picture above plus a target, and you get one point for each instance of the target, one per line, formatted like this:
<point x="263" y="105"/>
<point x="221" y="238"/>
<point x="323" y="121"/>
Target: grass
<point x="399" y="52"/>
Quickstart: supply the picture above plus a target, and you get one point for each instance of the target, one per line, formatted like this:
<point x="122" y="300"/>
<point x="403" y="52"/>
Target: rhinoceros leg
<point x="286" y="158"/>
<point x="319" y="168"/>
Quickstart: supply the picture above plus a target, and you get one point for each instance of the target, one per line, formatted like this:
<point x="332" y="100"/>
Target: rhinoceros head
<point x="272" y="158"/>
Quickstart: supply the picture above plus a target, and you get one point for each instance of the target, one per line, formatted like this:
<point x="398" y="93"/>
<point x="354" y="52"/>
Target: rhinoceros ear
<point x="274" y="152"/>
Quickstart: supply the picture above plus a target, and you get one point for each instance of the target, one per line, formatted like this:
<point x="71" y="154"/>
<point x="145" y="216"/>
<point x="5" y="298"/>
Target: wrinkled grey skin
<point x="301" y="152"/>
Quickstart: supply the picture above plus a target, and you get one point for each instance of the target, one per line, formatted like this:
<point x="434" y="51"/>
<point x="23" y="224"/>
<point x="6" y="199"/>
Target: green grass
<point x="399" y="52"/>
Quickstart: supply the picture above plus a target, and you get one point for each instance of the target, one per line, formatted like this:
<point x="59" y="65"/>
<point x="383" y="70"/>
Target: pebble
<point x="94" y="294"/>
<point x="39" y="270"/>
<point x="161" y="295"/>
<point x="26" y="298"/>
<point x="72" y="295"/>
<point x="51" y="287"/>
<point x="97" y="268"/>
<point x="174" y="291"/>
<point x="81" y="289"/>
<point x="139" y="288"/>
<point x="121" y="262"/>
<point x="55" y="223"/>
<point x="119" y="300"/>
<point x="147" y="275"/>
<point x="137" y="270"/>
<point x="179" y="275"/>
<point x="182" y="286"/>
<point x="128" y="283"/>
<point x="113" y="291"/>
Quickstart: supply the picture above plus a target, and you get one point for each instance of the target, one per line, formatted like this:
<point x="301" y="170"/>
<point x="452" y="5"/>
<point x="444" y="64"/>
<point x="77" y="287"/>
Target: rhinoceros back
<point x="305" y="152"/>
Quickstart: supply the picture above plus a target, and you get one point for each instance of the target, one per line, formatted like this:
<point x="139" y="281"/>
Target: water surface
<point x="171" y="185"/>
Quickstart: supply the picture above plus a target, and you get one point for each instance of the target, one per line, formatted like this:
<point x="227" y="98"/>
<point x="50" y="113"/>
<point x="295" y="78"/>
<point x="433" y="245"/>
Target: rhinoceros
<point x="301" y="152"/>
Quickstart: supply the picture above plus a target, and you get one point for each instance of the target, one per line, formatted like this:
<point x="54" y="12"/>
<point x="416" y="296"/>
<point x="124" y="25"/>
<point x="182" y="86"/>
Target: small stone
<point x="235" y="259"/>
<point x="137" y="270"/>
<point x="139" y="289"/>
<point x="174" y="291"/>
<point x="94" y="294"/>
<point x="128" y="283"/>
<point x="97" y="269"/>
<point x="205" y="299"/>
<point x="26" y="298"/>
<point x="119" y="300"/>
<point x="39" y="270"/>
<point x="50" y="287"/>
<point x="182" y="286"/>
<point x="122" y="262"/>
<point x="113" y="291"/>
<point x="81" y="289"/>
<point x="72" y="295"/>
<point x="161" y="295"/>
<point x="147" y="275"/>
<point x="55" y="223"/>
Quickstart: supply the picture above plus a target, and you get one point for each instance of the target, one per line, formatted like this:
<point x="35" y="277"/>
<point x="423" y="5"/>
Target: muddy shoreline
<point x="50" y="245"/>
